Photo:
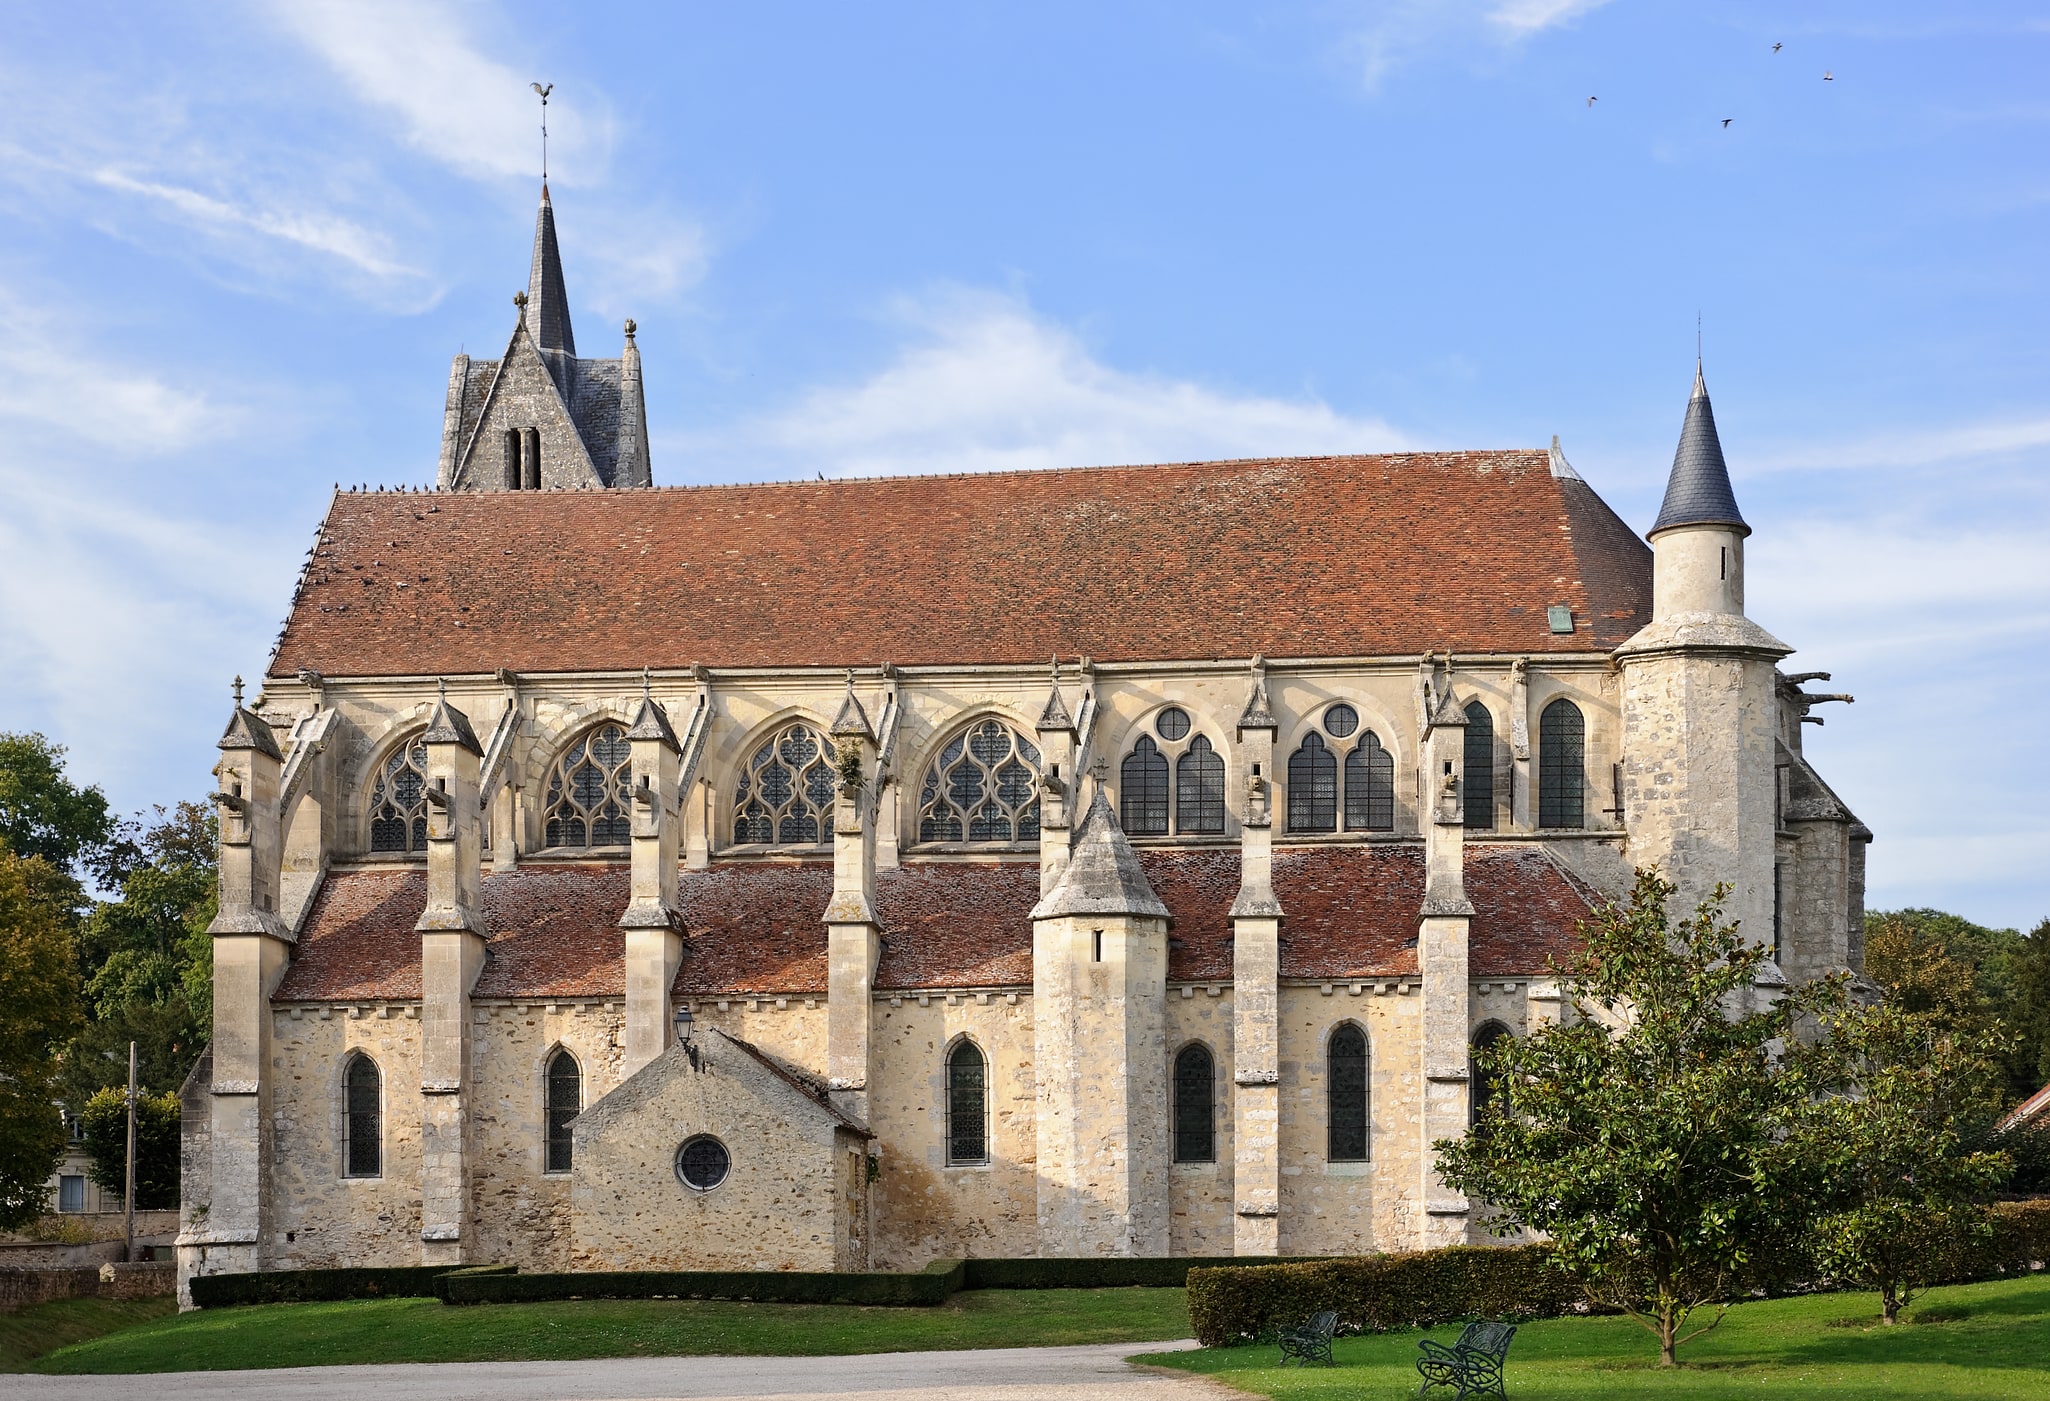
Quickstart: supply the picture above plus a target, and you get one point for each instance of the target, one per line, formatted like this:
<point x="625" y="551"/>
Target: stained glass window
<point x="785" y="794"/>
<point x="362" y="1118"/>
<point x="398" y="801"/>
<point x="702" y="1163"/>
<point x="967" y="1101"/>
<point x="565" y="1102"/>
<point x="1369" y="787"/>
<point x="1173" y="724"/>
<point x="1199" y="790"/>
<point x="1562" y="774"/>
<point x="1345" y="1089"/>
<point x="1480" y="766"/>
<point x="1195" y="1106"/>
<point x="1313" y="787"/>
<point x="1142" y="792"/>
<point x="984" y="787"/>
<point x="1487" y="1082"/>
<point x="1341" y="720"/>
<point x="588" y="792"/>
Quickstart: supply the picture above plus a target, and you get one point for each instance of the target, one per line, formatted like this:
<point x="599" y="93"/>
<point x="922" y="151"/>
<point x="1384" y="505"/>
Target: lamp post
<point x="128" y="1252"/>
<point x="683" y="1022"/>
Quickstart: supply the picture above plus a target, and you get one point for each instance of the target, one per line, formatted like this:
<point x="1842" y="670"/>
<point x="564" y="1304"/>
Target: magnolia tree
<point x="1650" y="1133"/>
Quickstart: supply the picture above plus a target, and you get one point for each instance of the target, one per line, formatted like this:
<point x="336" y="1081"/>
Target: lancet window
<point x="362" y="1118"/>
<point x="1193" y="804"/>
<point x="1487" y="1082"/>
<point x="589" y="792"/>
<point x="398" y="801"/>
<point x="1316" y="798"/>
<point x="785" y="793"/>
<point x="983" y="787"/>
<point x="1345" y="1090"/>
<point x="1562" y="766"/>
<point x="565" y="1102"/>
<point x="1195" y="1105"/>
<point x="1480" y="766"/>
<point x="967" y="1105"/>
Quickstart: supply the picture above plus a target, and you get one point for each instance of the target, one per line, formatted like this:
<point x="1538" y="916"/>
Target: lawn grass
<point x="423" y="1330"/>
<point x="42" y="1328"/>
<point x="1993" y="1341"/>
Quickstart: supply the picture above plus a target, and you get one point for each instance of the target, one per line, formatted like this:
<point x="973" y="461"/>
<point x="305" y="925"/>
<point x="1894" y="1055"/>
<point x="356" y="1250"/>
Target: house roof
<point x="1394" y="554"/>
<point x="755" y="927"/>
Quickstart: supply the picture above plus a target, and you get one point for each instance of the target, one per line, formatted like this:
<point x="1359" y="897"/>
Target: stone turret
<point x="1700" y="710"/>
<point x="1256" y="990"/>
<point x="653" y="934"/>
<point x="1099" y="984"/>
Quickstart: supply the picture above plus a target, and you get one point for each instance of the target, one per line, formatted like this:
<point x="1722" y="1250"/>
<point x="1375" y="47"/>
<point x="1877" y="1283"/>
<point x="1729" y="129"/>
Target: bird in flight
<point x="1590" y="102"/>
<point x="1827" y="76"/>
<point x="1728" y="120"/>
<point x="1777" y="47"/>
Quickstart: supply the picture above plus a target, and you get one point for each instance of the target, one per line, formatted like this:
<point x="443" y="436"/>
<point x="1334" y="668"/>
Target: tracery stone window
<point x="1314" y="790"/>
<point x="589" y="792"/>
<point x="1199" y="790"/>
<point x="702" y="1163"/>
<point x="1313" y="786"/>
<point x="967" y="1105"/>
<point x="1562" y="774"/>
<point x="1142" y="790"/>
<point x="1197" y="807"/>
<point x="565" y="1102"/>
<point x="1487" y="1084"/>
<point x="362" y="1118"/>
<point x="785" y="793"/>
<point x="984" y="787"/>
<point x="1480" y="766"/>
<point x="1195" y="1105"/>
<point x="1369" y="787"/>
<point x="1345" y="1094"/>
<point x="398" y="801"/>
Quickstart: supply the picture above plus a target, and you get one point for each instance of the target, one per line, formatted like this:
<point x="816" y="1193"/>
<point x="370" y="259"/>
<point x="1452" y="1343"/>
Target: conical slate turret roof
<point x="1103" y="875"/>
<point x="447" y="725"/>
<point x="547" y="298"/>
<point x="1698" y="492"/>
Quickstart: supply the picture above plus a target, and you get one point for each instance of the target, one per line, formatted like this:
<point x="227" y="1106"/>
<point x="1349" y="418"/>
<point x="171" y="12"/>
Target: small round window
<point x="702" y="1163"/>
<point x="1173" y="723"/>
<point x="1341" y="720"/>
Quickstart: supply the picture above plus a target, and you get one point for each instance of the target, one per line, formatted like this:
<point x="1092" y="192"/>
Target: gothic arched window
<point x="1195" y="1105"/>
<point x="1142" y="790"/>
<point x="1562" y="781"/>
<point x="1199" y="790"/>
<point x="967" y="1105"/>
<point x="785" y="794"/>
<point x="1487" y="1082"/>
<point x="565" y="1102"/>
<point x="362" y="1118"/>
<point x="398" y="801"/>
<point x="1313" y="787"/>
<point x="1369" y="787"/>
<point x="984" y="787"/>
<point x="589" y="793"/>
<point x="1480" y="766"/>
<point x="1345" y="1093"/>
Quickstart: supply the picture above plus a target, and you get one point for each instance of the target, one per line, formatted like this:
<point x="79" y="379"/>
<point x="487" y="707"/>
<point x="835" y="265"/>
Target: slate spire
<point x="547" y="313"/>
<point x="1698" y="492"/>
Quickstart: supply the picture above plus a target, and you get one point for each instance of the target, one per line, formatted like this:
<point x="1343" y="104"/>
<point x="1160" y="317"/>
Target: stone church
<point x="617" y="876"/>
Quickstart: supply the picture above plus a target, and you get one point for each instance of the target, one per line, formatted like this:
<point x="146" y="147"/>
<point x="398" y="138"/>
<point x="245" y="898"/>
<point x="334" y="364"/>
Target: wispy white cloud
<point x="318" y="231"/>
<point x="1393" y="32"/>
<point x="1529" y="16"/>
<point x="1912" y="447"/>
<point x="984" y="383"/>
<point x="420" y="61"/>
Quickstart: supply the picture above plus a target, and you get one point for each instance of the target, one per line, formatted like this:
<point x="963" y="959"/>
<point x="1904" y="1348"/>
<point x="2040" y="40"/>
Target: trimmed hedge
<point x="316" y="1286"/>
<point x="932" y="1285"/>
<point x="1093" y="1272"/>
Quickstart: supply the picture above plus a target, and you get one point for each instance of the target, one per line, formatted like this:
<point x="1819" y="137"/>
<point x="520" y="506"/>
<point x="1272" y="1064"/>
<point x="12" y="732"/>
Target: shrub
<point x="1093" y="1272"/>
<point x="1376" y="1293"/>
<point x="933" y="1285"/>
<point x="317" y="1286"/>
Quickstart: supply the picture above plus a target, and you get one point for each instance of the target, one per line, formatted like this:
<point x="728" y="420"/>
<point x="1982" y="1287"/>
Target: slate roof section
<point x="547" y="297"/>
<point x="1398" y="554"/>
<point x="1698" y="492"/>
<point x="754" y="928"/>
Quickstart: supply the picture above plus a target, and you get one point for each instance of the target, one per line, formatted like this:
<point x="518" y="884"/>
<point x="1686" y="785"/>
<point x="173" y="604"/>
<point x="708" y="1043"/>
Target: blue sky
<point x="242" y="240"/>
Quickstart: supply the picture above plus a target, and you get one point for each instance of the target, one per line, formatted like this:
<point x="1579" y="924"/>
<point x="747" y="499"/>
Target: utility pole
<point x="129" y="1253"/>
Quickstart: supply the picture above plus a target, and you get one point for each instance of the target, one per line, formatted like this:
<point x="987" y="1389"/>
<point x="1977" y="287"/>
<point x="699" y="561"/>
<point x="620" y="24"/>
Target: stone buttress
<point x="1442" y="957"/>
<point x="1256" y="993"/>
<point x="853" y="938"/>
<point x="653" y="929"/>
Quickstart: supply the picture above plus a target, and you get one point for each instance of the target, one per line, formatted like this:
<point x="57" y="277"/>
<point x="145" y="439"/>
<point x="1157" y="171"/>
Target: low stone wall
<point x="20" y="1289"/>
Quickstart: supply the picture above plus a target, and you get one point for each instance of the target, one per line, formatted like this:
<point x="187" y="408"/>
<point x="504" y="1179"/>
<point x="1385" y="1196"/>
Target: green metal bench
<point x="1310" y="1342"/>
<point x="1473" y="1364"/>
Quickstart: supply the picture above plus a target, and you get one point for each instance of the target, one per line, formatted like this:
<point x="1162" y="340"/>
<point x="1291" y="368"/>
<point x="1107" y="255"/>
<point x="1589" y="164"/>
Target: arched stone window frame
<point x="1340" y="1143"/>
<point x="1562" y="765"/>
<point x="918" y="796"/>
<point x="1187" y="1143"/>
<point x="362" y="1152"/>
<point x="1482" y="1087"/>
<point x="1349" y="753"/>
<point x="1478" y="764"/>
<point x="957" y="1110"/>
<point x="557" y="1151"/>
<point x="1195" y="770"/>
<point x="734" y="795"/>
<point x="374" y="786"/>
<point x="612" y="807"/>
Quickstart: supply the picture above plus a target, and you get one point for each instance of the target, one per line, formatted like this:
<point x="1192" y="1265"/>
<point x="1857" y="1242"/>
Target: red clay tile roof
<point x="754" y="927"/>
<point x="1399" y="554"/>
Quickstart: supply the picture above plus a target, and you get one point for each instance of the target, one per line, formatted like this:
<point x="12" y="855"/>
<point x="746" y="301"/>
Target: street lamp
<point x="683" y="1022"/>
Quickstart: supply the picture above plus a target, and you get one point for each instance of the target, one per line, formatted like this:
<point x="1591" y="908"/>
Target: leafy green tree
<point x="38" y="1007"/>
<point x="1646" y="1133"/>
<point x="1893" y="1153"/>
<point x="2028" y="1013"/>
<point x="105" y="1120"/>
